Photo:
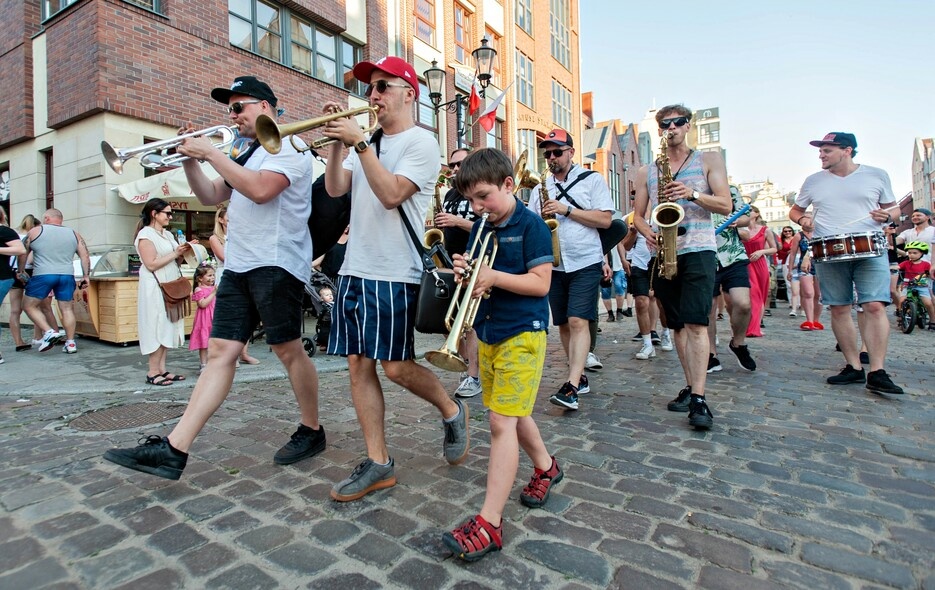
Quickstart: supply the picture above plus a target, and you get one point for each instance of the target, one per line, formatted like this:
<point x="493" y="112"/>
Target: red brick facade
<point x="20" y="20"/>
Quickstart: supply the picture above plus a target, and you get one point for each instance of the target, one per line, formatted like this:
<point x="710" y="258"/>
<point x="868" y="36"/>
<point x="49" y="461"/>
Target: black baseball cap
<point x="559" y="137"/>
<point x="838" y="138"/>
<point x="248" y="86"/>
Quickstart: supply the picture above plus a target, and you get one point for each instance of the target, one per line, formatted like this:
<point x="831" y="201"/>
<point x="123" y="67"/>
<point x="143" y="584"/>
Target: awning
<point x="166" y="185"/>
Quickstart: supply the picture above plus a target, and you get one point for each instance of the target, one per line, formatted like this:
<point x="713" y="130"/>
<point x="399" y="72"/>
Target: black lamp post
<point x="435" y="80"/>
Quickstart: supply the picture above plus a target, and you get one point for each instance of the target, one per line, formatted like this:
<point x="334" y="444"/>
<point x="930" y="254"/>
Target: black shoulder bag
<point x="435" y="288"/>
<point x="610" y="236"/>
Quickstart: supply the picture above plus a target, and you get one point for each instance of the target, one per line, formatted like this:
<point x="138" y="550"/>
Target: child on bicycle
<point x="915" y="272"/>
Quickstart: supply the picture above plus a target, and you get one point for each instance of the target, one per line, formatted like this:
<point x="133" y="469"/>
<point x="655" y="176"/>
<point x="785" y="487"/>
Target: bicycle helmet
<point x="917" y="245"/>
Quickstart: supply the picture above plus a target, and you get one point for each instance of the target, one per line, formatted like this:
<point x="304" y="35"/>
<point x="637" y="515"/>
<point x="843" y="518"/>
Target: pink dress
<point x="204" y="317"/>
<point x="759" y="281"/>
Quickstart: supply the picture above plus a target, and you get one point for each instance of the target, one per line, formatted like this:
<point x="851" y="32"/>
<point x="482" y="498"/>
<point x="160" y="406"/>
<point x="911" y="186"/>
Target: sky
<point x="783" y="72"/>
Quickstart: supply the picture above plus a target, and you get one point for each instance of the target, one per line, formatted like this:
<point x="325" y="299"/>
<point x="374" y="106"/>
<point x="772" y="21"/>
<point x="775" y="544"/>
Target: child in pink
<point x="203" y="296"/>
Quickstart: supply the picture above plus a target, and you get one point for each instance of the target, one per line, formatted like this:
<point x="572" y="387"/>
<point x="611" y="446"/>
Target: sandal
<point x="172" y="377"/>
<point x="160" y="380"/>
<point x="249" y="360"/>
<point x="23" y="347"/>
<point x="468" y="541"/>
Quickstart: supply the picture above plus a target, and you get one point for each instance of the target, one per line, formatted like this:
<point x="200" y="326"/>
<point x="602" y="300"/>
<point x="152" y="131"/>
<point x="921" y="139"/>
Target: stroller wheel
<point x="309" y="346"/>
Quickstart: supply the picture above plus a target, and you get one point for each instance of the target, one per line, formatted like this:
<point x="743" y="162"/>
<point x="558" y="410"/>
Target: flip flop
<point x="162" y="381"/>
<point x="23" y="347"/>
<point x="172" y="377"/>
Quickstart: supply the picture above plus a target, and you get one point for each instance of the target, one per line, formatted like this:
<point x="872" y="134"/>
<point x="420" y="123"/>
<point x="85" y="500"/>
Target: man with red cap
<point x="866" y="195"/>
<point x="391" y="180"/>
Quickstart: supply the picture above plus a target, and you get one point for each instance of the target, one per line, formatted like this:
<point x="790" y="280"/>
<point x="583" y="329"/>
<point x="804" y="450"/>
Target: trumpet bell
<point x="447" y="359"/>
<point x="113" y="157"/>
<point x="522" y="176"/>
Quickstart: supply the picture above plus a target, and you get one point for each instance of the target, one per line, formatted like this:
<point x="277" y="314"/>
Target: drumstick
<point x="867" y="216"/>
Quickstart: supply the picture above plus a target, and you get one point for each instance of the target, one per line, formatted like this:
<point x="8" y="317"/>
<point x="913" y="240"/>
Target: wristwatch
<point x="568" y="211"/>
<point x="694" y="196"/>
<point x="361" y="146"/>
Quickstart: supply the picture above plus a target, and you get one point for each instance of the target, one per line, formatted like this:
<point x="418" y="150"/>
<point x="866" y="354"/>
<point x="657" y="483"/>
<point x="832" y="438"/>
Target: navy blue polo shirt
<point x="524" y="242"/>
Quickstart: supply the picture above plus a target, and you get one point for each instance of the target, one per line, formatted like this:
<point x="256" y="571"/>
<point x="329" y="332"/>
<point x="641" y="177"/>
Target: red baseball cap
<point x="393" y="66"/>
<point x="559" y="137"/>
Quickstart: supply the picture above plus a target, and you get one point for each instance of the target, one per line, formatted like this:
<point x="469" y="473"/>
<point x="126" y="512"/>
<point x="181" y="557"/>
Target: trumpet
<point x="463" y="307"/>
<point x="271" y="133"/>
<point x="156" y="154"/>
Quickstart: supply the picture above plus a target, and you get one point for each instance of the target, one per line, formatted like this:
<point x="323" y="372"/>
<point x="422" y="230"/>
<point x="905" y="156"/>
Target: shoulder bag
<point x="435" y="288"/>
<point x="177" y="296"/>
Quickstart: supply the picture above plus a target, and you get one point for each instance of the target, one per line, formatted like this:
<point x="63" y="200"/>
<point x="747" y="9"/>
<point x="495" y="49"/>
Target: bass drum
<point x="848" y="247"/>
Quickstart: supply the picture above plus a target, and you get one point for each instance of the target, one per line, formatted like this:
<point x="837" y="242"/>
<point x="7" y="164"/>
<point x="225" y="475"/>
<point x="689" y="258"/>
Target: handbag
<point x="435" y="288"/>
<point x="177" y="296"/>
<point x="611" y="235"/>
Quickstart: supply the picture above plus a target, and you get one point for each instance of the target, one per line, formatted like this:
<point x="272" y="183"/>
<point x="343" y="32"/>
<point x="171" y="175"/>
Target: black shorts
<point x="735" y="276"/>
<point x="268" y="294"/>
<point x="575" y="294"/>
<point x="638" y="283"/>
<point x="687" y="298"/>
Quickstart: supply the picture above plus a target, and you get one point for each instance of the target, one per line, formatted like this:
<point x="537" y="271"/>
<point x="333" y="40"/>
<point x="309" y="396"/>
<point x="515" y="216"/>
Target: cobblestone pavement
<point x="797" y="485"/>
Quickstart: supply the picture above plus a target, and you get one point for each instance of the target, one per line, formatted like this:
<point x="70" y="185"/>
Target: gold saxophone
<point x="434" y="235"/>
<point x="666" y="216"/>
<point x="550" y="221"/>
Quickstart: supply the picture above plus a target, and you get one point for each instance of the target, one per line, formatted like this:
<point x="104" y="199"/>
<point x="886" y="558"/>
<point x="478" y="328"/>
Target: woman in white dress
<point x="159" y="255"/>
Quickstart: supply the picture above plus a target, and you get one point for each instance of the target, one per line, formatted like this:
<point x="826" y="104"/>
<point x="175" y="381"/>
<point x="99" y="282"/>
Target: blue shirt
<point x="524" y="242"/>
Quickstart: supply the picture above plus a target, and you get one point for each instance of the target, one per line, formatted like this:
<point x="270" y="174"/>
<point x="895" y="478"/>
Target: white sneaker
<point x="61" y="333"/>
<point x="48" y="341"/>
<point x="70" y="348"/>
<point x="666" y="343"/>
<point x="469" y="387"/>
<point x="592" y="363"/>
<point x="647" y="352"/>
<point x="792" y="314"/>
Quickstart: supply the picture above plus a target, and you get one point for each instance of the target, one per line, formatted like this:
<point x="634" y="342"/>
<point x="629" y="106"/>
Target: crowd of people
<point x="723" y="253"/>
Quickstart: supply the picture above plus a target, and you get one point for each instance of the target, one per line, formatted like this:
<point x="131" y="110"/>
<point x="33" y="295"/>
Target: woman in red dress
<point x="759" y="243"/>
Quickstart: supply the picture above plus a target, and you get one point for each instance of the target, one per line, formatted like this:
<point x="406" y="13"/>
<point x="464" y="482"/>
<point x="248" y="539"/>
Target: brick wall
<point x="20" y="19"/>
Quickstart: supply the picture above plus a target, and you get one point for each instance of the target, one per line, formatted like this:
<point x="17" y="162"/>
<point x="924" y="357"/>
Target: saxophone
<point x="667" y="217"/>
<point x="550" y="221"/>
<point x="434" y="235"/>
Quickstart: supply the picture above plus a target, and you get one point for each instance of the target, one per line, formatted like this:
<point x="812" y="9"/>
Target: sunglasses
<point x="381" y="86"/>
<point x="553" y="153"/>
<point x="454" y="164"/>
<point x="168" y="214"/>
<point x="237" y="107"/>
<point x="679" y="122"/>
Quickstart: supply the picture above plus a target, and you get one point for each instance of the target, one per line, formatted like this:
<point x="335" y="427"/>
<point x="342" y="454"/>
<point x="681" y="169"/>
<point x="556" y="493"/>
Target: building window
<point x="526" y="141"/>
<point x="426" y="117"/>
<point x="561" y="106"/>
<point x="561" y="38"/>
<point x="524" y="79"/>
<point x="425" y="21"/>
<point x="494" y="41"/>
<point x="49" y="185"/>
<point x="495" y="137"/>
<point x="709" y="133"/>
<point x="463" y="34"/>
<point x="614" y="181"/>
<point x="523" y="13"/>
<point x="257" y="26"/>
<point x="154" y="5"/>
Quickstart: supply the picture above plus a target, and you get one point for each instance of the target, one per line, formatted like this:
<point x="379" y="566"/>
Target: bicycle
<point x="912" y="311"/>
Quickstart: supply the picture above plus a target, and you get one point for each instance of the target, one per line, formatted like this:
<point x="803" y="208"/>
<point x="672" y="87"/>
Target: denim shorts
<point x="268" y="294"/>
<point x="869" y="276"/>
<point x="619" y="286"/>
<point x="40" y="286"/>
<point x="574" y="294"/>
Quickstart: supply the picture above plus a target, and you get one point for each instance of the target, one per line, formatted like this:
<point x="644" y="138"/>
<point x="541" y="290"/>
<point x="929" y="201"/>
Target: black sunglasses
<point x="554" y="153"/>
<point x="381" y="86"/>
<point x="237" y="107"/>
<point x="168" y="214"/>
<point x="454" y="164"/>
<point x="679" y="122"/>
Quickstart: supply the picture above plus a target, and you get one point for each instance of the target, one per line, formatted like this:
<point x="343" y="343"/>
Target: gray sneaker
<point x="457" y="439"/>
<point x="366" y="477"/>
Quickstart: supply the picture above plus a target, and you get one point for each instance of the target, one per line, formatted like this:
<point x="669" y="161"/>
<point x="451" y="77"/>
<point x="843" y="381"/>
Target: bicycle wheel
<point x="922" y="317"/>
<point x="908" y="321"/>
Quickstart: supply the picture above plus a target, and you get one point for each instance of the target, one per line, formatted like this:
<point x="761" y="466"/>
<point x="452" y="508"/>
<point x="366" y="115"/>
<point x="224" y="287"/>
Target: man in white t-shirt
<point x="267" y="262"/>
<point x="848" y="198"/>
<point x="921" y="231"/>
<point x="374" y="310"/>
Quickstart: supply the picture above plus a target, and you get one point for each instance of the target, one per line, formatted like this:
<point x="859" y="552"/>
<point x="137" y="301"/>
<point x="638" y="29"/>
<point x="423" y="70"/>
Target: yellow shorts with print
<point x="510" y="372"/>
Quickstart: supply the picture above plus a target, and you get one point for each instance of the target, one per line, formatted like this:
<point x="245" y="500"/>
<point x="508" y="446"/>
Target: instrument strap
<point x="563" y="191"/>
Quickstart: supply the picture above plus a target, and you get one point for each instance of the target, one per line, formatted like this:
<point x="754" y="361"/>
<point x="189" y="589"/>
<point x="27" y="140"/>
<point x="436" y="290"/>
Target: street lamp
<point x="435" y="80"/>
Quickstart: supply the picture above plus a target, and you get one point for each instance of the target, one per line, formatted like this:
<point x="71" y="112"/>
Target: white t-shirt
<point x="380" y="247"/>
<point x="274" y="233"/>
<point x="580" y="244"/>
<point x="639" y="255"/>
<point x="927" y="235"/>
<point x="842" y="204"/>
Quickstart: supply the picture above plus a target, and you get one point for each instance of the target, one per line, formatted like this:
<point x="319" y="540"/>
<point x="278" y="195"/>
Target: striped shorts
<point x="375" y="319"/>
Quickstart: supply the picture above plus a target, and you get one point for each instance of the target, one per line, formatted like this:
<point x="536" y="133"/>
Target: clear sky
<point x="783" y="72"/>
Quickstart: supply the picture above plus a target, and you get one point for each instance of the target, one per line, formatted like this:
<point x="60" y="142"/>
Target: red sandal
<point x="469" y="543"/>
<point x="536" y="493"/>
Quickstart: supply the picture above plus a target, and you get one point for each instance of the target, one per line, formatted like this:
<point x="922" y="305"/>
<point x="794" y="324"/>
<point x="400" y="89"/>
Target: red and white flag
<point x="489" y="116"/>
<point x="474" y="101"/>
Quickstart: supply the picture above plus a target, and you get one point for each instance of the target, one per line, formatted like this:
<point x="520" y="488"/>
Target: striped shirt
<point x="699" y="229"/>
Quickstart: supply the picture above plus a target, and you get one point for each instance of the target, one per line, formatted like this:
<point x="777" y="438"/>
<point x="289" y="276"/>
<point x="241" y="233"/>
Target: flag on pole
<point x="474" y="101"/>
<point x="489" y="116"/>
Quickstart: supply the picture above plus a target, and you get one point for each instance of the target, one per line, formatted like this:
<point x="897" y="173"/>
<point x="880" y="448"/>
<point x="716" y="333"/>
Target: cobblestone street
<point x="798" y="485"/>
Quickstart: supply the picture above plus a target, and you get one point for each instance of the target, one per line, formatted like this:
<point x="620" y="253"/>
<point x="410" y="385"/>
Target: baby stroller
<point x="319" y="309"/>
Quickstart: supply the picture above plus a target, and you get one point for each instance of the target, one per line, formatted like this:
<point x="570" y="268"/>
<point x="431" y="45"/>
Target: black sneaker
<point x="304" y="443"/>
<point x="627" y="312"/>
<point x="879" y="382"/>
<point x="637" y="338"/>
<point x="742" y="353"/>
<point x="654" y="337"/>
<point x="567" y="397"/>
<point x="154" y="455"/>
<point x="865" y="358"/>
<point x="847" y="375"/>
<point x="620" y="314"/>
<point x="583" y="386"/>
<point x="714" y="365"/>
<point x="680" y="403"/>
<point x="610" y="316"/>
<point x="699" y="415"/>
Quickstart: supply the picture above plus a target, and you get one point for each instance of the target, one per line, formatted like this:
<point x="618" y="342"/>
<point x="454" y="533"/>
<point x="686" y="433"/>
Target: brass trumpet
<point x="156" y="154"/>
<point x="271" y="133"/>
<point x="463" y="308"/>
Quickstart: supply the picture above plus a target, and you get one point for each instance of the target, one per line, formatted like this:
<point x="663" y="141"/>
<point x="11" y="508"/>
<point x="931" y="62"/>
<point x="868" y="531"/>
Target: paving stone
<point x="798" y="575"/>
<point x="302" y="558"/>
<point x="19" y="552"/>
<point x="750" y="534"/>
<point x="35" y="575"/>
<point x="648" y="558"/>
<point x="375" y="550"/>
<point x="127" y="507"/>
<point x="418" y="574"/>
<point x="150" y="520"/>
<point x="679" y="465"/>
<point x="553" y="527"/>
<point x="388" y="522"/>
<point x="29" y="494"/>
<point x="569" y="560"/>
<point x="111" y="569"/>
<point x="833" y="483"/>
<point x="233" y="522"/>
<point x="355" y="581"/>
<point x="852" y="520"/>
<point x="743" y="478"/>
<point x="628" y="577"/>
<point x="806" y="493"/>
<point x="507" y="569"/>
<point x="804" y="527"/>
<point x="724" y="579"/>
<point x="177" y="539"/>
<point x="265" y="538"/>
<point x="725" y="506"/>
<point x="204" y="507"/>
<point x="617" y="522"/>
<point x="93" y="540"/>
<point x="333" y="532"/>
<point x="268" y="501"/>
<point x="704" y="546"/>
<point x="207" y="558"/>
<point x="243" y="577"/>
<point x="651" y="507"/>
<point x="63" y="525"/>
<point x="164" y="579"/>
<point x="861" y="566"/>
<point x="773" y="501"/>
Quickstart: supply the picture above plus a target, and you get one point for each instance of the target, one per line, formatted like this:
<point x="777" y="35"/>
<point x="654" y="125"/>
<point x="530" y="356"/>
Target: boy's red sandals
<point x="468" y="541"/>
<point x="535" y="494"/>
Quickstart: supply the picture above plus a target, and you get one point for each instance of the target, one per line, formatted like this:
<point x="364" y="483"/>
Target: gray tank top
<point x="54" y="250"/>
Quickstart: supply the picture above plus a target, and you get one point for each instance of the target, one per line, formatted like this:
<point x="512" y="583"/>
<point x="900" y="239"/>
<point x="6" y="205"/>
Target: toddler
<point x="203" y="296"/>
<point x="324" y="318"/>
